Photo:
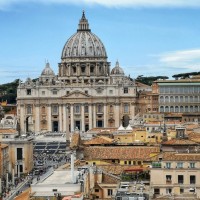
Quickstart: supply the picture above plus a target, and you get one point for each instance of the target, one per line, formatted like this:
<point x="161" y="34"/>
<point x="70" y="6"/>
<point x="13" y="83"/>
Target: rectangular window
<point x="192" y="179"/>
<point x="29" y="109"/>
<point x="86" y="92"/>
<point x="99" y="123"/>
<point x="168" y="191"/>
<point x="28" y="91"/>
<point x="96" y="190"/>
<point x="125" y="162"/>
<point x="19" y="154"/>
<point x="180" y="165"/>
<point x="86" y="109"/>
<point x="180" y="179"/>
<point x="168" y="179"/>
<point x="99" y="108"/>
<point x="192" y="165"/>
<point x="54" y="109"/>
<point x="129" y="162"/>
<point x="110" y="192"/>
<point x="43" y="92"/>
<point x="181" y="190"/>
<point x="156" y="191"/>
<point x="111" y="91"/>
<point x="54" y="92"/>
<point x="168" y="165"/>
<point x="126" y="108"/>
<point x="77" y="109"/>
<point x="125" y="90"/>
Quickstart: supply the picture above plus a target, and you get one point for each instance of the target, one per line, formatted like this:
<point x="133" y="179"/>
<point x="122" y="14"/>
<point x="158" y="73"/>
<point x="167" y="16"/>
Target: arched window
<point x="181" y="109"/>
<point x="171" y="108"/>
<point x="186" y="108"/>
<point x="166" y="108"/>
<point x="161" y="108"/>
<point x="176" y="98"/>
<point x="176" y="109"/>
<point x="161" y="99"/>
<point x="191" y="109"/>
<point x="171" y="99"/>
<point x="196" y="109"/>
<point x="181" y="99"/>
<point x="166" y="99"/>
<point x="191" y="98"/>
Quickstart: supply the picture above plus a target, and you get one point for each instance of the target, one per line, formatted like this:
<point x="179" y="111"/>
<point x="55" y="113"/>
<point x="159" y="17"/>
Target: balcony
<point x="169" y="181"/>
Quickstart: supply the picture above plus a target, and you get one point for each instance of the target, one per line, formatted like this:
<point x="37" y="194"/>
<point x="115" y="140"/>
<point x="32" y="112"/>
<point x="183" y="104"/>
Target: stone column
<point x="67" y="122"/>
<point x="72" y="117"/>
<point x="94" y="116"/>
<point x="116" y="115"/>
<point x="90" y="116"/>
<point x="49" y="118"/>
<point x="105" y="115"/>
<point x="64" y="118"/>
<point x="37" y="118"/>
<point x="82" y="118"/>
<point x="22" y="118"/>
<point x="60" y="118"/>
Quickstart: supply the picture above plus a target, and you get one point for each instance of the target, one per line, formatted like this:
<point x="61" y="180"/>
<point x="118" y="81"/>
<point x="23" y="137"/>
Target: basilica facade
<point x="85" y="94"/>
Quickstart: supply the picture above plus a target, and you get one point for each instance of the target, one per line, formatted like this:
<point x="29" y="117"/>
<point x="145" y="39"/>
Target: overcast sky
<point x="147" y="37"/>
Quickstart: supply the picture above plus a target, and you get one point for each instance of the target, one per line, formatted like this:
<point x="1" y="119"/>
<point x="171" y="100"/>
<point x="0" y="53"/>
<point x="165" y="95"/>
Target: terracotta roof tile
<point x="176" y="141"/>
<point x="173" y="156"/>
<point x="123" y="153"/>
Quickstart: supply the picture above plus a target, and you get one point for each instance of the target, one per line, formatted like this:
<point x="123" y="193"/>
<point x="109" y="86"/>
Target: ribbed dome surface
<point x="117" y="70"/>
<point x="83" y="43"/>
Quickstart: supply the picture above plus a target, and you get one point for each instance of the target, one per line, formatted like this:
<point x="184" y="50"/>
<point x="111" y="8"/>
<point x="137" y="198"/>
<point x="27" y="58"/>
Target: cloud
<point x="110" y="3"/>
<point x="188" y="59"/>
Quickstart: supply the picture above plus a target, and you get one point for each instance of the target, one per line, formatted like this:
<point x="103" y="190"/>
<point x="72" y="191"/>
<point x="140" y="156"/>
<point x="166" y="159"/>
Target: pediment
<point x="77" y="94"/>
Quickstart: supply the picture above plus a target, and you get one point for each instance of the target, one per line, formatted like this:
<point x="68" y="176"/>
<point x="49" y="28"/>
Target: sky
<point x="147" y="37"/>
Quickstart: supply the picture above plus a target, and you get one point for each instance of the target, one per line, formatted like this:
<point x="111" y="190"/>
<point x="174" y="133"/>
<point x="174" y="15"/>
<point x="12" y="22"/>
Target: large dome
<point x="83" y="43"/>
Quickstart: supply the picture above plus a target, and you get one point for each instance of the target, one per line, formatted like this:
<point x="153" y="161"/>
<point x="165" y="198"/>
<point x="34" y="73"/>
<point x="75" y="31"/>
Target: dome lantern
<point x="83" y="23"/>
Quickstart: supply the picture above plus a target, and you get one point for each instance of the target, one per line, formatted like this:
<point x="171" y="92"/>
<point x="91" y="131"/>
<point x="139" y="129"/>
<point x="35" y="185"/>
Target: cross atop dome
<point x="83" y="23"/>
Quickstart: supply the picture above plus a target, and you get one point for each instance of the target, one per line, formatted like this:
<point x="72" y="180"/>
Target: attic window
<point x="28" y="91"/>
<point x="54" y="92"/>
<point x="125" y="90"/>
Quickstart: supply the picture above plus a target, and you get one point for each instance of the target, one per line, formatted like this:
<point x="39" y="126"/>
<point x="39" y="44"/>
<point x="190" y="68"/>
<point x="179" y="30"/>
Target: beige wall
<point x="163" y="184"/>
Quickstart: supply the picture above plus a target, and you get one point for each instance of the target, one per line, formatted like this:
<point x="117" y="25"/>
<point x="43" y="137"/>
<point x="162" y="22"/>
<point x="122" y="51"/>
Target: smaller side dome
<point x="117" y="70"/>
<point x="47" y="71"/>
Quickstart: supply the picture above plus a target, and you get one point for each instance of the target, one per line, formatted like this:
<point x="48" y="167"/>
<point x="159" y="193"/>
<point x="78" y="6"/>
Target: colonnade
<point x="67" y="117"/>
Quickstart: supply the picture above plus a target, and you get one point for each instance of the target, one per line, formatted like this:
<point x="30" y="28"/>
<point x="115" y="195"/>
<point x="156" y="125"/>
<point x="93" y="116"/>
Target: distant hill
<point x="8" y="92"/>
